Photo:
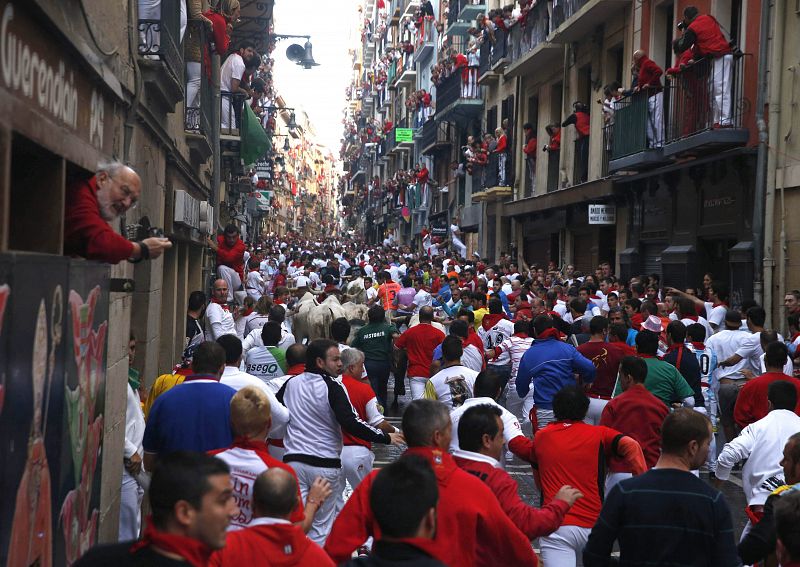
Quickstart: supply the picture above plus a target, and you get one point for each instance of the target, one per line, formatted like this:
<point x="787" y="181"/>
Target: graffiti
<point x="85" y="423"/>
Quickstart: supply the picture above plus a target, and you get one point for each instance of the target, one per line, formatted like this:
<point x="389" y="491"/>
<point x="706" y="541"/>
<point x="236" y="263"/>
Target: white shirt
<point x="751" y="351"/>
<point x="479" y="457"/>
<point x="261" y="363"/>
<point x="494" y="336"/>
<point x="233" y="68"/>
<point x="725" y="343"/>
<point x="788" y="368"/>
<point x="516" y="347"/>
<point x="134" y="424"/>
<point x="236" y="379"/>
<point x="511" y="427"/>
<point x="452" y="386"/>
<point x="219" y="321"/>
<point x="716" y="315"/>
<point x="255" y="284"/>
<point x="253" y="339"/>
<point x="761" y="443"/>
<point x="422" y="299"/>
<point x="703" y="322"/>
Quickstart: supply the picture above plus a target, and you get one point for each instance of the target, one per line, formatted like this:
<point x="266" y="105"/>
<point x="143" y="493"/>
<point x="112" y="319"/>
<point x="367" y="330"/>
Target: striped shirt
<point x="516" y="346"/>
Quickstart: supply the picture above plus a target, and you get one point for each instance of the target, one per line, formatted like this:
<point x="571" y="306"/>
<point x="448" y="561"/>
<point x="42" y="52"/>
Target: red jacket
<point x="530" y="147"/>
<point x="639" y="414"/>
<point x="752" y="403"/>
<point x="86" y="234"/>
<point x="472" y="527"/>
<point x="533" y="522"/>
<point x="582" y="123"/>
<point x="275" y="545"/>
<point x="220" y="37"/>
<point x="502" y="144"/>
<point x="233" y="256"/>
<point x="422" y="176"/>
<point x="681" y="61"/>
<point x="649" y="74"/>
<point x="555" y="141"/>
<point x="710" y="40"/>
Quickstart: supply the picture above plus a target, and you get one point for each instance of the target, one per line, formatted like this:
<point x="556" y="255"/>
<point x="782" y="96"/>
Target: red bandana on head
<point x="551" y="333"/>
<point x="195" y="552"/>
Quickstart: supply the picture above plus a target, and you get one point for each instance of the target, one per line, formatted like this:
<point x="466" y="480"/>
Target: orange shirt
<point x="387" y="293"/>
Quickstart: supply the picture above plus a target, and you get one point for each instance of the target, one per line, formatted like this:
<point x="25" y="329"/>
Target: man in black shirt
<point x="684" y="360"/>
<point x="667" y="516"/>
<point x="191" y="498"/>
<point x="194" y="313"/>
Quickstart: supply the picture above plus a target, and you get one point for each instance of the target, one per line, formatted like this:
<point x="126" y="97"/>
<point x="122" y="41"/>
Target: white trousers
<point x="193" y="70"/>
<point x="544" y="417"/>
<point x="417" y="387"/>
<point x="130" y="508"/>
<point x="614" y="478"/>
<point x="596" y="407"/>
<point x="356" y="463"/>
<point x="231" y="277"/>
<point x="564" y="547"/>
<point x="722" y="92"/>
<point x="326" y="514"/>
<point x="655" y="120"/>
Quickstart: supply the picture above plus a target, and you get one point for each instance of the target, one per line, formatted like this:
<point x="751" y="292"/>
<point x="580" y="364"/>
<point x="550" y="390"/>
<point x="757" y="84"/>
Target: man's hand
<point x="748" y="374"/>
<point x="319" y="491"/>
<point x="568" y="494"/>
<point x="134" y="464"/>
<point x="156" y="245"/>
<point x="397" y="438"/>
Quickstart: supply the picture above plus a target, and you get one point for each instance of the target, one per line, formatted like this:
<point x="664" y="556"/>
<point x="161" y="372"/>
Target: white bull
<point x="300" y="323"/>
<point x="321" y="316"/>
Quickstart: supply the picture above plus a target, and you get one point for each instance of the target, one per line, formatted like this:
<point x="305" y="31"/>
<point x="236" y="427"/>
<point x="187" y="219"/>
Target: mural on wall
<point x="52" y="390"/>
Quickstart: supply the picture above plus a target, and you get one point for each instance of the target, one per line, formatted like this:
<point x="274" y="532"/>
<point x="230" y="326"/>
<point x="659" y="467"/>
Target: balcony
<point x="702" y="118"/>
<point x="426" y="38"/>
<point x="576" y="20"/>
<point x="197" y="109"/>
<point x="462" y="14"/>
<point x="494" y="58"/>
<point x="528" y="50"/>
<point x="628" y="141"/>
<point x="435" y="137"/>
<point x="406" y="71"/>
<point x="459" y="100"/>
<point x="391" y="74"/>
<point x="160" y="53"/>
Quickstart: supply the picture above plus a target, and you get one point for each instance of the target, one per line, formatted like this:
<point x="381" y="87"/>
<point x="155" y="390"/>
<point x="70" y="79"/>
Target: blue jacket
<point x="549" y="365"/>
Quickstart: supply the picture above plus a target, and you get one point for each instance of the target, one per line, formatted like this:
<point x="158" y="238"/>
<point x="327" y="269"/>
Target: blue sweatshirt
<point x="549" y="365"/>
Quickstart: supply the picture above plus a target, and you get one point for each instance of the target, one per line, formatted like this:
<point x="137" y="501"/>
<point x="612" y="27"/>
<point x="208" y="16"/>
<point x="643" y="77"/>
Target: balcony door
<point x="663" y="28"/>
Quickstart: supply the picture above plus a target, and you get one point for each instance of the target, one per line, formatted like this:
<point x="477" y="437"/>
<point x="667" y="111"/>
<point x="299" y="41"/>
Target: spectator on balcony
<point x="422" y="174"/>
<point x="193" y="49"/>
<point x="554" y="131"/>
<point x="486" y="27"/>
<point x="649" y="81"/>
<point x="530" y="153"/>
<point x="231" y="85"/>
<point x="92" y="203"/>
<point x="222" y="18"/>
<point x="426" y="9"/>
<point x="580" y="119"/>
<point x="501" y="149"/>
<point x="703" y="32"/>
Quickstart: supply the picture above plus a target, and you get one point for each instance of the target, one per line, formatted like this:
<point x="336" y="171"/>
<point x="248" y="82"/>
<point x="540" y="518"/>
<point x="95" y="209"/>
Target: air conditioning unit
<point x="187" y="209"/>
<point x="207" y="221"/>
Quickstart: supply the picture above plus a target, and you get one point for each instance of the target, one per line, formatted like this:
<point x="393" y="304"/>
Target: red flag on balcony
<point x="294" y="188"/>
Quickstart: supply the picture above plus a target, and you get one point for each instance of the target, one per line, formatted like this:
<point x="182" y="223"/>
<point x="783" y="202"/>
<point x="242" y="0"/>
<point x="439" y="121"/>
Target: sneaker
<point x="509" y="456"/>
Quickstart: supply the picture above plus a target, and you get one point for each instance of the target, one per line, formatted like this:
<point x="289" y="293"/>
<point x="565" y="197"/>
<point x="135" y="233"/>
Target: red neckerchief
<point x="698" y="346"/>
<point x="247" y="312"/>
<point x="723" y="303"/>
<point x="221" y="304"/>
<point x="679" y="348"/>
<point x="551" y="333"/>
<point x="520" y="335"/>
<point x="195" y="552"/>
<point x="296" y="369"/>
<point x="193" y="377"/>
<point x="554" y="314"/>
<point x="691" y="317"/>
<point x="248" y="443"/>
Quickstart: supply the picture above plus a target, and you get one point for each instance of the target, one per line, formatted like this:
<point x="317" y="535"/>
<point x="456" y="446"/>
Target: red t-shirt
<point x="606" y="358"/>
<point x="275" y="545"/>
<point x="575" y="453"/>
<point x="231" y="256"/>
<point x="752" y="403"/>
<point x="86" y="234"/>
<point x="639" y="414"/>
<point x="420" y="341"/>
<point x="360" y="394"/>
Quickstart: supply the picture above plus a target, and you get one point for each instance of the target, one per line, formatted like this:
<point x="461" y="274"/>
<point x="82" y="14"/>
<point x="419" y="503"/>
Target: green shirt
<point x="664" y="381"/>
<point x="375" y="341"/>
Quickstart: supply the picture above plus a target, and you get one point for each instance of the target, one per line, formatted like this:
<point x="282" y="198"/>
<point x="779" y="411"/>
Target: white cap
<point x="301" y="281"/>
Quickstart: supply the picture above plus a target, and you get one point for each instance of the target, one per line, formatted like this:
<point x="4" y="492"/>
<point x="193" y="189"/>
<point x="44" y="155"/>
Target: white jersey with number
<point x="494" y="336"/>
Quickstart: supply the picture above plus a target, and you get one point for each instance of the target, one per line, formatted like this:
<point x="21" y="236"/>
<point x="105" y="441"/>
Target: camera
<point x="143" y="230"/>
<point x="682" y="25"/>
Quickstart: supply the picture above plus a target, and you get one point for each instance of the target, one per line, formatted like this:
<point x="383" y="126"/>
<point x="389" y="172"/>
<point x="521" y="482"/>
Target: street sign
<point x="403" y="135"/>
<point x="602" y="214"/>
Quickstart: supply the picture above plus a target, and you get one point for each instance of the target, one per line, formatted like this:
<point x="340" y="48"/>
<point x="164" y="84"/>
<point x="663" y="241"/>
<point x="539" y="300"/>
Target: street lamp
<point x="302" y="56"/>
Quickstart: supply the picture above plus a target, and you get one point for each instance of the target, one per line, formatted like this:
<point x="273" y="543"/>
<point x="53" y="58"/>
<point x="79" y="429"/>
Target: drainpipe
<point x="776" y="64"/>
<point x="761" y="160"/>
<point x="215" y="135"/>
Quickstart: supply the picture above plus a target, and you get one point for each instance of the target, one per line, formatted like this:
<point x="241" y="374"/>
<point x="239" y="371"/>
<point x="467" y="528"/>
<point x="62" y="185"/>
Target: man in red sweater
<point x="419" y="342"/>
<point x="636" y="413"/>
<point x="530" y="153"/>
<point x="752" y="403"/>
<point x="230" y="251"/>
<point x="501" y="149"/>
<point x="93" y="203"/>
<point x="569" y="451"/>
<point x="472" y="527"/>
<point x="649" y="80"/>
<point x="271" y="537"/>
<point x="480" y="438"/>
